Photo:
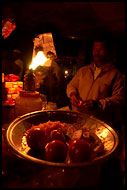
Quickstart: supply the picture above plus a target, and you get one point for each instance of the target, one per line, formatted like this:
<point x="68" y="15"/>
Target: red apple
<point x="57" y="135"/>
<point x="79" y="151"/>
<point x="55" y="151"/>
<point x="37" y="138"/>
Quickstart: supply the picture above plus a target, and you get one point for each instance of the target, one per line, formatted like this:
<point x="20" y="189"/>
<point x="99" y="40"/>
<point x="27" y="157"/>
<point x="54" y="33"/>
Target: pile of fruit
<point x="49" y="141"/>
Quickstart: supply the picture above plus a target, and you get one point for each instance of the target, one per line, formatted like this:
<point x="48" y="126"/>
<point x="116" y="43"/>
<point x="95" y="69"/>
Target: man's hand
<point x="74" y="99"/>
<point x="89" y="105"/>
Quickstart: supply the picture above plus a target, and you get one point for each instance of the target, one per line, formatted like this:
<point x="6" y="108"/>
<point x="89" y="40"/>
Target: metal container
<point x="27" y="101"/>
<point x="60" y="175"/>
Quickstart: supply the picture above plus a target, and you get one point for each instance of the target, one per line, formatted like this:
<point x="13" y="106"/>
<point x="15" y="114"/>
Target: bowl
<point x="56" y="175"/>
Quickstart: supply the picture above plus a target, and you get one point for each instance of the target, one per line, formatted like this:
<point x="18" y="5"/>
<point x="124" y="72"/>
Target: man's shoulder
<point x="111" y="67"/>
<point x="116" y="71"/>
<point x="117" y="74"/>
<point x="84" y="68"/>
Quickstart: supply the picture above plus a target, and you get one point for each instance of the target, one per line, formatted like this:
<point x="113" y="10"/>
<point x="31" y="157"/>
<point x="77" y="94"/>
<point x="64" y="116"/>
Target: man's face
<point x="99" y="52"/>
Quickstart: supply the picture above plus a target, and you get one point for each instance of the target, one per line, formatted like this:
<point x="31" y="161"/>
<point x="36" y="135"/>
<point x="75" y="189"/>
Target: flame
<point x="41" y="60"/>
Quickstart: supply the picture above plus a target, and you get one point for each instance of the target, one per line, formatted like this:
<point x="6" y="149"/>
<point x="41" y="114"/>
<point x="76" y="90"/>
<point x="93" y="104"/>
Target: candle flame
<point x="41" y="60"/>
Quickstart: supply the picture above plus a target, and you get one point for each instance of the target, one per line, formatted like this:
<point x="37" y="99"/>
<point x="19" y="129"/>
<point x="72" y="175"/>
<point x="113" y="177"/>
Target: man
<point x="98" y="88"/>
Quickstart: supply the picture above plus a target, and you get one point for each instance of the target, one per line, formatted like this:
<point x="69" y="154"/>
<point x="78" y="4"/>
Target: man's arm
<point x="110" y="103"/>
<point x="73" y="85"/>
<point x="72" y="90"/>
<point x="118" y="94"/>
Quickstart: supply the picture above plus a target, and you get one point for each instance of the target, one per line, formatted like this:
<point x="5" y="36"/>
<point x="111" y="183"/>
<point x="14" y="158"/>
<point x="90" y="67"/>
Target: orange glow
<point x="40" y="60"/>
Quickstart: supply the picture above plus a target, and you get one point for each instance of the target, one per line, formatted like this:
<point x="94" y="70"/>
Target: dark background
<point x="74" y="26"/>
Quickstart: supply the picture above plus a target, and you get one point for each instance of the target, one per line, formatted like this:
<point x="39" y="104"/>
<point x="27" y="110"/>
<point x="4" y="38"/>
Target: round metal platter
<point x="19" y="126"/>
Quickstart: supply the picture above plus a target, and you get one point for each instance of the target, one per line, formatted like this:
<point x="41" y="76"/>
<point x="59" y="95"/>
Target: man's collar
<point x="96" y="67"/>
<point x="107" y="66"/>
